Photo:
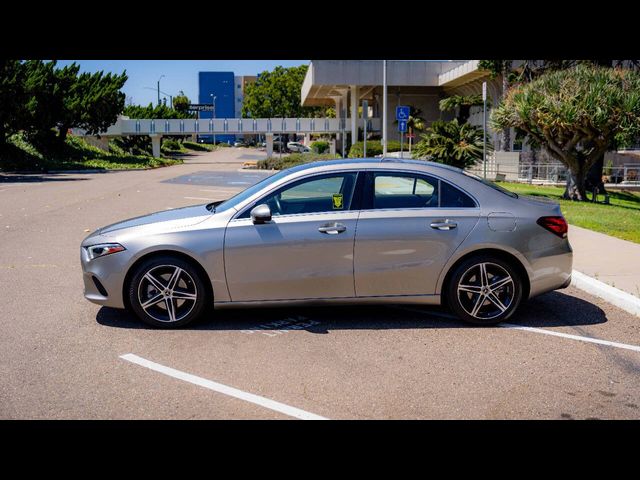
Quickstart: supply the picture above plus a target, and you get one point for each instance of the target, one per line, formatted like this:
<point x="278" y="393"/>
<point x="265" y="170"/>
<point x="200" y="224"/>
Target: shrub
<point x="374" y="147"/>
<point x="277" y="163"/>
<point x="320" y="146"/>
<point x="171" y="144"/>
<point x="200" y="147"/>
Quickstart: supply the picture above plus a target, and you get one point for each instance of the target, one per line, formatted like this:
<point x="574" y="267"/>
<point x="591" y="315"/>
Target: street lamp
<point x="159" y="88"/>
<point x="213" y="115"/>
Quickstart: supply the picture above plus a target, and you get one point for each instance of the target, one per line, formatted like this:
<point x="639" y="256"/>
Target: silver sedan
<point x="359" y="231"/>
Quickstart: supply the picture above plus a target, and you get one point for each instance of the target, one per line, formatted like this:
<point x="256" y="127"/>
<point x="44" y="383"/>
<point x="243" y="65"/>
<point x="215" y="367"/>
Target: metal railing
<point x="627" y="174"/>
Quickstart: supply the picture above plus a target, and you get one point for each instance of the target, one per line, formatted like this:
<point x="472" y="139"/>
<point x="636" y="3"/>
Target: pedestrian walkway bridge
<point x="157" y="128"/>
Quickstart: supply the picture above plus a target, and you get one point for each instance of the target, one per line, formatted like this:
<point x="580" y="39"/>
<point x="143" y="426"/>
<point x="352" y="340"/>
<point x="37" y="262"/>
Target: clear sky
<point x="143" y="75"/>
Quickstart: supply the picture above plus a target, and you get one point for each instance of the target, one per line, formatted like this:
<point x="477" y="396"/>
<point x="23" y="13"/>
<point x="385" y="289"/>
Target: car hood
<point x="167" y="220"/>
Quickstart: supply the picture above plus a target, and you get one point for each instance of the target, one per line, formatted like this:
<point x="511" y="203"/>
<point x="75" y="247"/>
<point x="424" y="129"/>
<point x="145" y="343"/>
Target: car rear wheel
<point x="167" y="292"/>
<point x="484" y="290"/>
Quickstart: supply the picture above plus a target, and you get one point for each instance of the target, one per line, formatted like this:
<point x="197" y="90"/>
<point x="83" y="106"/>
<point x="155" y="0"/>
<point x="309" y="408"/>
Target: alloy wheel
<point x="167" y="293"/>
<point x="485" y="291"/>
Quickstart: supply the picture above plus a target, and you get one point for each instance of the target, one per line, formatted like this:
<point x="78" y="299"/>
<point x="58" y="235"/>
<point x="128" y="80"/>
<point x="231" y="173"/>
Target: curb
<point x="615" y="296"/>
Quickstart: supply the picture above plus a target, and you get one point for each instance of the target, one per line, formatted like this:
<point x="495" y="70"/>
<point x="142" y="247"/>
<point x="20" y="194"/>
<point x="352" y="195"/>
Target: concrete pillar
<point x="269" y="140"/>
<point x="344" y="108"/>
<point x="155" y="144"/>
<point x="354" y="114"/>
<point x="307" y="139"/>
<point x="337" y="106"/>
<point x="332" y="146"/>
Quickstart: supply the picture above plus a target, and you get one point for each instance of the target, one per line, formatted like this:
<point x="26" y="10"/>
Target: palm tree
<point x="451" y="143"/>
<point x="463" y="103"/>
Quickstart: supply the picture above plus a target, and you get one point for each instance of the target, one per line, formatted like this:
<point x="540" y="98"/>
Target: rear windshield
<point x="491" y="184"/>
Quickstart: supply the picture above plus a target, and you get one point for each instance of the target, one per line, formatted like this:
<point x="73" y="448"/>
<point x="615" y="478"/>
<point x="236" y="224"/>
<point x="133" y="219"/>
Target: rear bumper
<point x="550" y="269"/>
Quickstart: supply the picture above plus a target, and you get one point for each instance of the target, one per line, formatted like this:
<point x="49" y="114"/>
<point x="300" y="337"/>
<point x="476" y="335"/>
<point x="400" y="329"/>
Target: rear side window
<point x="451" y="197"/>
<point x="404" y="191"/>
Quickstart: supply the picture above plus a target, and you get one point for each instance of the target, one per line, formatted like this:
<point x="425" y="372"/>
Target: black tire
<point x="466" y="288"/>
<point x="186" y="299"/>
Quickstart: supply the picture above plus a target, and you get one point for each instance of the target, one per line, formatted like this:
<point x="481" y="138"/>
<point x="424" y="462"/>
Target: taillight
<point x="556" y="225"/>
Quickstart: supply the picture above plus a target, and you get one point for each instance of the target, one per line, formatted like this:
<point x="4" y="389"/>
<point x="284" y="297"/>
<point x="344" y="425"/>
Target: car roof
<point x="383" y="162"/>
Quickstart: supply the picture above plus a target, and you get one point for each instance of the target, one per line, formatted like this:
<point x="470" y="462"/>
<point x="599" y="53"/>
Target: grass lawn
<point x="620" y="219"/>
<point x="76" y="155"/>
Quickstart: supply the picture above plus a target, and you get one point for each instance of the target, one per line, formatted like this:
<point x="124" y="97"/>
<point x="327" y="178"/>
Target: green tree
<point x="451" y="143"/>
<point x="43" y="102"/>
<point x="12" y="98"/>
<point x="277" y="94"/>
<point x="91" y="101"/>
<point x="181" y="102"/>
<point x="528" y="70"/>
<point x="575" y="115"/>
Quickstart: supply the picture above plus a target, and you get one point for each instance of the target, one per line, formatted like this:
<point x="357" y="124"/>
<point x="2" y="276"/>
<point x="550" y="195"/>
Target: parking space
<point x="565" y="355"/>
<point x="233" y="179"/>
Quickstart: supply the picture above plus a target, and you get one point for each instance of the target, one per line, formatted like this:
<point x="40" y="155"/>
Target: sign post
<point x="402" y="128"/>
<point x="402" y="116"/>
<point x="411" y="136"/>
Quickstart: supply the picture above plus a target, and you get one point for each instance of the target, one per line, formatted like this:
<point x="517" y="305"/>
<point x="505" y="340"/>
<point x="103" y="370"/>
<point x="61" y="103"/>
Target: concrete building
<point x="228" y="90"/>
<point x="344" y="84"/>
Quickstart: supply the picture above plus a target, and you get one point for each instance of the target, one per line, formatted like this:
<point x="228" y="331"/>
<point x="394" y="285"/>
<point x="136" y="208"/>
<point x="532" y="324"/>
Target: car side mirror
<point x="261" y="214"/>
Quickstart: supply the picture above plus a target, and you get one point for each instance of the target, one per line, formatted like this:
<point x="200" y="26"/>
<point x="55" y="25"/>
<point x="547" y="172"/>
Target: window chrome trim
<point x="440" y="179"/>
<point x="311" y="175"/>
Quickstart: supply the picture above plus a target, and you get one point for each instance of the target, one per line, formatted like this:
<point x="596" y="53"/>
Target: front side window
<point x="326" y="193"/>
<point x="392" y="190"/>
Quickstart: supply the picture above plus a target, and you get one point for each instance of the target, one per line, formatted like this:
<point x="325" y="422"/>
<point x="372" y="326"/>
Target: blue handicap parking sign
<point x="402" y="113"/>
<point x="402" y="125"/>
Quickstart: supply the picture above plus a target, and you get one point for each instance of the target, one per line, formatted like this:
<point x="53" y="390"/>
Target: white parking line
<point x="543" y="331"/>
<point x="573" y="337"/>
<point x="224" y="389"/>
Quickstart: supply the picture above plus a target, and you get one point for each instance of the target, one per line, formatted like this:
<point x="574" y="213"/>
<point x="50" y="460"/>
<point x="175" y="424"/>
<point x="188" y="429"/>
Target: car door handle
<point x="447" y="225"/>
<point x="332" y="228"/>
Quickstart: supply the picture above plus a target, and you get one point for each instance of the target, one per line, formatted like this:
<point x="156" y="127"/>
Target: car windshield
<point x="240" y="197"/>
<point x="491" y="184"/>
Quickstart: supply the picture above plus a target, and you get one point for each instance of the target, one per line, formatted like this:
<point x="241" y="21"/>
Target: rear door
<point x="410" y="224"/>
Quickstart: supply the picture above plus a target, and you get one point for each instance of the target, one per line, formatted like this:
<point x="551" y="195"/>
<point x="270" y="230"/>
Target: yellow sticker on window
<point x="337" y="201"/>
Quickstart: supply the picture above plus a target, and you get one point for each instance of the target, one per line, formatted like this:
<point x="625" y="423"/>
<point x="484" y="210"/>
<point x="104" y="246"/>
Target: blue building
<point x="221" y="85"/>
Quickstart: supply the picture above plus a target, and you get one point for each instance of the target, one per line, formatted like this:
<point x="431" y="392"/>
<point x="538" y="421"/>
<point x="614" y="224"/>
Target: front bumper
<point x="104" y="277"/>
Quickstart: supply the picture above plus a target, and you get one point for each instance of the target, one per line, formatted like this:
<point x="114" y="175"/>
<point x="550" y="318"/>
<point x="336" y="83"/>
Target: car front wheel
<point x="484" y="290"/>
<point x="167" y="292"/>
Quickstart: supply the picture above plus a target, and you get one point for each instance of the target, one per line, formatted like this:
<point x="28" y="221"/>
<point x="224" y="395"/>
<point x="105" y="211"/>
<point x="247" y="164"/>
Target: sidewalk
<point x="608" y="259"/>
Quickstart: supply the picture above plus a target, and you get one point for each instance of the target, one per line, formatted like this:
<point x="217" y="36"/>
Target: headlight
<point x="103" y="249"/>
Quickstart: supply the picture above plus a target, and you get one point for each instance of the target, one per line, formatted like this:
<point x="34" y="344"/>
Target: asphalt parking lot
<point x="565" y="355"/>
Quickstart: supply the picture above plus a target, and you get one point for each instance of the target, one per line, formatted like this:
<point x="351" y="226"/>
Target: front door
<point x="305" y="252"/>
<point x="408" y="229"/>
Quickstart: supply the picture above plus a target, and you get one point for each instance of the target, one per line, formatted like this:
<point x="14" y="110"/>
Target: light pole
<point x="151" y="88"/>
<point x="384" y="108"/>
<point x="159" y="88"/>
<point x="484" y="128"/>
<point x="213" y="115"/>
